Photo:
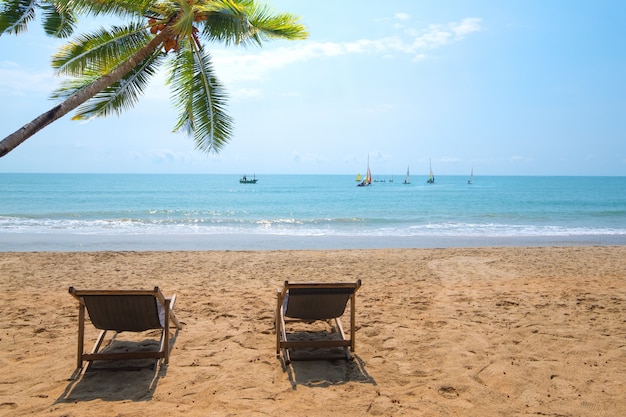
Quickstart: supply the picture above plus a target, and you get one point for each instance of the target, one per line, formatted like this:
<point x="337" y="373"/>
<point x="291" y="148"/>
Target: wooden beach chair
<point x="124" y="311"/>
<point x="311" y="302"/>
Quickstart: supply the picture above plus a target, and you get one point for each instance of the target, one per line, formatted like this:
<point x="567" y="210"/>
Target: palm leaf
<point x="122" y="8"/>
<point x="15" y="15"/>
<point x="56" y="23"/>
<point x="244" y="22"/>
<point x="225" y="21"/>
<point x="270" y="25"/>
<point x="91" y="57"/>
<point x="119" y="96"/>
<point x="100" y="51"/>
<point x="200" y="99"/>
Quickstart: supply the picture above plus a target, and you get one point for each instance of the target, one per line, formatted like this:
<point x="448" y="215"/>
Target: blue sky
<point x="506" y="88"/>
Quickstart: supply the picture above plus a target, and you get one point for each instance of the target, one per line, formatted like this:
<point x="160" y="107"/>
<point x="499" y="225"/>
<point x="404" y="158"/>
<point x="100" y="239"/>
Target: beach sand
<point x="472" y="332"/>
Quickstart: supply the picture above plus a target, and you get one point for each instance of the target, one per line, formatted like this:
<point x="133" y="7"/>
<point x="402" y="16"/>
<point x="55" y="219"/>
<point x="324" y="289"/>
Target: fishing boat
<point x="407" y="178"/>
<point x="246" y="180"/>
<point x="471" y="178"/>
<point x="368" y="176"/>
<point x="431" y="177"/>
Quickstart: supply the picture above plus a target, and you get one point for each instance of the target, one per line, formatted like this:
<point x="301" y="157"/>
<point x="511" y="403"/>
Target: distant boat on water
<point x="368" y="176"/>
<point x="431" y="177"/>
<point x="246" y="180"/>
<point x="407" y="177"/>
<point x="471" y="178"/>
<point x="358" y="177"/>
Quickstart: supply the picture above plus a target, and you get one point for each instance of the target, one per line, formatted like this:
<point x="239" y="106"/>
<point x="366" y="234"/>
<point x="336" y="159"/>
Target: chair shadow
<point x="128" y="380"/>
<point x="326" y="373"/>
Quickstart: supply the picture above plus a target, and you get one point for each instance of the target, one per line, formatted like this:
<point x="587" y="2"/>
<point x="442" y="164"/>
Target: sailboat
<point x="407" y="178"/>
<point x="358" y="177"/>
<point x="471" y="178"/>
<point x="431" y="178"/>
<point x="368" y="177"/>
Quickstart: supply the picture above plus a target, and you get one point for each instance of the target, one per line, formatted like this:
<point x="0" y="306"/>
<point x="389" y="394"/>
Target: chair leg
<point x="172" y="315"/>
<point x="99" y="340"/>
<point x="352" y="321"/>
<point x="277" y="327"/>
<point x="81" y="336"/>
<point x="343" y="337"/>
<point x="165" y="345"/>
<point x="281" y="334"/>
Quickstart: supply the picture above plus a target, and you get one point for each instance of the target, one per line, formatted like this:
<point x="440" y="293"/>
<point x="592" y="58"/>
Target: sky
<point x="529" y="87"/>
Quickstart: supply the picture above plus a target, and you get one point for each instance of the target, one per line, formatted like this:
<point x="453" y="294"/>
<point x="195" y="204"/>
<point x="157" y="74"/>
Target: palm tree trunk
<point x="29" y="129"/>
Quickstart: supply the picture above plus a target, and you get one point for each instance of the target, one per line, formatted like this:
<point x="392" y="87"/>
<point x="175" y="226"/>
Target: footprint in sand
<point x="448" y="392"/>
<point x="465" y="268"/>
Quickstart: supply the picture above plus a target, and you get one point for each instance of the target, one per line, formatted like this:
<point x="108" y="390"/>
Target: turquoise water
<point x="116" y="211"/>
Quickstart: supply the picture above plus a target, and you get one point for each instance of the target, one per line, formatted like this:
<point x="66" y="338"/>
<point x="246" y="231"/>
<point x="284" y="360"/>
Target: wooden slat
<point x="122" y="355"/>
<point x="314" y="343"/>
<point x="351" y="285"/>
<point x="79" y="293"/>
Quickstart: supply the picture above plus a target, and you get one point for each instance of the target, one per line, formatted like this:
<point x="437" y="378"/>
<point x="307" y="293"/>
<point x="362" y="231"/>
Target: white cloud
<point x="402" y="16"/>
<point x="466" y="26"/>
<point x="16" y="81"/>
<point x="244" y="66"/>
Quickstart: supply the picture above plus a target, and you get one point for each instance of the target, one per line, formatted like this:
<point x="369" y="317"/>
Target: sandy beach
<point x="510" y="331"/>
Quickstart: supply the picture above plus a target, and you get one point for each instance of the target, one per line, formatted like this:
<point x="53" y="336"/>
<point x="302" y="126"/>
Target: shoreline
<point x="65" y="242"/>
<point x="456" y="331"/>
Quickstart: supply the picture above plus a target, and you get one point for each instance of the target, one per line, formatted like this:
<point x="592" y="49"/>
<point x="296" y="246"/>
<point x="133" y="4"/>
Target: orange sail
<point x="368" y="175"/>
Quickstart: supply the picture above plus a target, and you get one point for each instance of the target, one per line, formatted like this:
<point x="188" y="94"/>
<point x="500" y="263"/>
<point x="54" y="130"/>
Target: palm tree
<point x="109" y="69"/>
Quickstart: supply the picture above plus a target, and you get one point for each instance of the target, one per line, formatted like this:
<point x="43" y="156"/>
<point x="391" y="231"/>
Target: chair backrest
<point x="317" y="301"/>
<point x="133" y="311"/>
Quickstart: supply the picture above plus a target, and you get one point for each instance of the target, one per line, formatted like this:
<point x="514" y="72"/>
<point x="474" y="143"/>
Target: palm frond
<point x="72" y="86"/>
<point x="56" y="23"/>
<point x="116" y="98"/>
<point x="184" y="21"/>
<point x="15" y="15"/>
<point x="200" y="99"/>
<point x="225" y="21"/>
<point x="243" y="22"/>
<point x="100" y="51"/>
<point x="270" y="25"/>
<point x="123" y="8"/>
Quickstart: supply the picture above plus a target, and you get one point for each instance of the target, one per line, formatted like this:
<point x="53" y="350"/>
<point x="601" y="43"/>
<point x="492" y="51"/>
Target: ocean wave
<point x="344" y="227"/>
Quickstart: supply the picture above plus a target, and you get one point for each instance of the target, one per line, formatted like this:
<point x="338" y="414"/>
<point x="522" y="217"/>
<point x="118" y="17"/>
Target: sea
<point x="131" y="212"/>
